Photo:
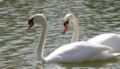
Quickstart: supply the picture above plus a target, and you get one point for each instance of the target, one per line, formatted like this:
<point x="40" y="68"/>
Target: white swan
<point x="73" y="52"/>
<point x="109" y="39"/>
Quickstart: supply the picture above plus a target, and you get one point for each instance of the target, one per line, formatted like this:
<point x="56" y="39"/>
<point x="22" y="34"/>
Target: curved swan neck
<point x="75" y="36"/>
<point x="43" y="35"/>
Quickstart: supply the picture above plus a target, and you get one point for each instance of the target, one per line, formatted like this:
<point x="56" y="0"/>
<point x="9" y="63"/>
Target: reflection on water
<point x="87" y="65"/>
<point x="17" y="46"/>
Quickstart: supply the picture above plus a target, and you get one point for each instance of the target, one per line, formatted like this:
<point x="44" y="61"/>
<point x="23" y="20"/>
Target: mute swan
<point x="109" y="39"/>
<point x="73" y="52"/>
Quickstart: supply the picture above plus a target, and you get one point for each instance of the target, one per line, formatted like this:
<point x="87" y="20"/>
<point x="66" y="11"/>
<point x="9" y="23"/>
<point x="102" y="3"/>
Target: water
<point x="17" y="46"/>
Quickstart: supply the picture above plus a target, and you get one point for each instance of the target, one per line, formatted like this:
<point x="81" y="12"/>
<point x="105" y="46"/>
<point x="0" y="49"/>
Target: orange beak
<point x="65" y="26"/>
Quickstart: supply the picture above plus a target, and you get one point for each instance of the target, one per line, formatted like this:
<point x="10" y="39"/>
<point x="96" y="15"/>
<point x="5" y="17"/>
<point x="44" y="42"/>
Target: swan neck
<point x="41" y="44"/>
<point x="75" y="36"/>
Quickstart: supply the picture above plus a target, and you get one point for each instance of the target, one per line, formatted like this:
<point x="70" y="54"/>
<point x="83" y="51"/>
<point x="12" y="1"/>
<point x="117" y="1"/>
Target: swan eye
<point x="30" y="23"/>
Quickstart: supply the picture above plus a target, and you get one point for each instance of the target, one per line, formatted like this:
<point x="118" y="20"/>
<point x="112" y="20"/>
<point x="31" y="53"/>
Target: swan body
<point x="73" y="52"/>
<point x="109" y="39"/>
<point x="78" y="52"/>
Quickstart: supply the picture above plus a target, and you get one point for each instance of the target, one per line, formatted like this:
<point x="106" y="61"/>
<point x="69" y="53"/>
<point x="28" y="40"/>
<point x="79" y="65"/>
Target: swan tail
<point x="116" y="54"/>
<point x="105" y="55"/>
<point x="110" y="54"/>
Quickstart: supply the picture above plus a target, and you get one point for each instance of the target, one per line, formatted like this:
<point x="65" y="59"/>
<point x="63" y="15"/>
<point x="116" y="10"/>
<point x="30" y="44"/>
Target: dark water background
<point x="17" y="46"/>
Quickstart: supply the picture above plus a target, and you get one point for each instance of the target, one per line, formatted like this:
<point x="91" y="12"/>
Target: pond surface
<point x="17" y="47"/>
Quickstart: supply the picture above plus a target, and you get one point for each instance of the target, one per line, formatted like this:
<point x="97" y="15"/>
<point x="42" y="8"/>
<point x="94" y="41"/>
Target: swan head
<point x="68" y="18"/>
<point x="35" y="19"/>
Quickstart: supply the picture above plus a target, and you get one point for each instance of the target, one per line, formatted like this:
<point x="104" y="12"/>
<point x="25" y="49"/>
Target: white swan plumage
<point x="73" y="52"/>
<point x="109" y="39"/>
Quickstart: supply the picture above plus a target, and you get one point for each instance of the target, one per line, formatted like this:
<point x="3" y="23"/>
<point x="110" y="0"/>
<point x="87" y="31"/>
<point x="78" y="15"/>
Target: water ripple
<point x="17" y="46"/>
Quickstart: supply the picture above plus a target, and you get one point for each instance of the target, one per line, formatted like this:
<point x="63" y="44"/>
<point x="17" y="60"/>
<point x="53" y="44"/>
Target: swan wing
<point x="76" y="52"/>
<point x="111" y="39"/>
